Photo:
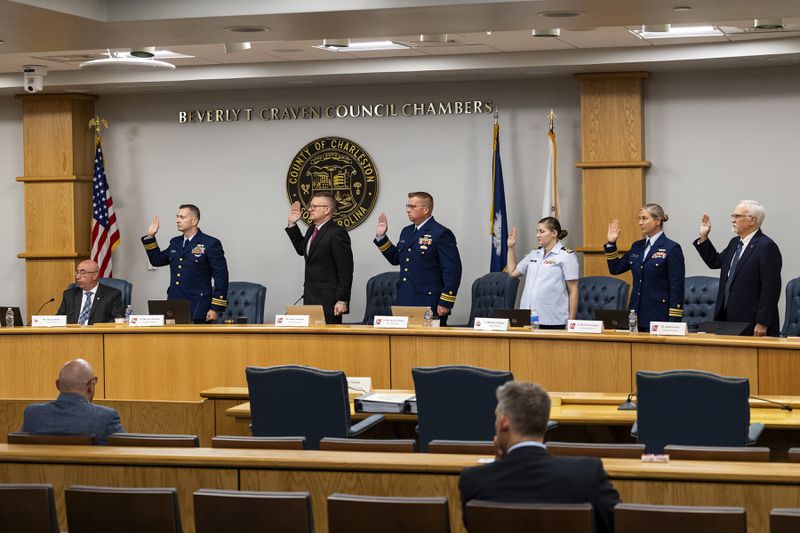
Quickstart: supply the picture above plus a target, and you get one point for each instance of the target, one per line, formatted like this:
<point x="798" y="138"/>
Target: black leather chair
<point x="784" y="520"/>
<point x="122" y="510"/>
<point x="259" y="443"/>
<point x="123" y="286"/>
<point x="456" y="402"/>
<point x="600" y="292"/>
<point x="596" y="449"/>
<point x="491" y="517"/>
<point x="368" y="445"/>
<point x="693" y="408"/>
<point x="245" y="299"/>
<point x="154" y="440"/>
<point x="348" y="513"/>
<point x="20" y="437"/>
<point x="699" y="300"/>
<point x="28" y="509"/>
<point x="749" y="454"/>
<point x="495" y="290"/>
<point x="381" y="294"/>
<point x="791" y="321"/>
<point x="636" y="518"/>
<point x="294" y="400"/>
<point x="226" y="511"/>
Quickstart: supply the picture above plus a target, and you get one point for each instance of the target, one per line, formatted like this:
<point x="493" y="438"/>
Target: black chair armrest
<point x="364" y="425"/>
<point x="754" y="432"/>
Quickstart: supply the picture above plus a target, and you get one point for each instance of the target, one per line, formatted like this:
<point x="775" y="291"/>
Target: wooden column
<point x="613" y="164"/>
<point x="59" y="152"/>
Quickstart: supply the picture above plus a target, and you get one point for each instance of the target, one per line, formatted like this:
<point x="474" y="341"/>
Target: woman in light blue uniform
<point x="551" y="275"/>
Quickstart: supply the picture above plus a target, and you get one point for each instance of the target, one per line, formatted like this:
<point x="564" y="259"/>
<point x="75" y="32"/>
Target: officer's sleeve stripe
<point x="151" y="246"/>
<point x="385" y="246"/>
<point x="448" y="298"/>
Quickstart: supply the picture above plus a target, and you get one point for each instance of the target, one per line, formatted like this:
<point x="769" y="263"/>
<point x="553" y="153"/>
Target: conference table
<point x="758" y="487"/>
<point x="175" y="362"/>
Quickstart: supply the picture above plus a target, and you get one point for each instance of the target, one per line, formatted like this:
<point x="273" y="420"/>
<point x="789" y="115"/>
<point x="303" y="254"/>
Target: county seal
<point x="338" y="166"/>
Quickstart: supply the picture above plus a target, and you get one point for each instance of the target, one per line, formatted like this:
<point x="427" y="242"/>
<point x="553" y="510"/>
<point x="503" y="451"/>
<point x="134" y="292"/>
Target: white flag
<point x="550" y="200"/>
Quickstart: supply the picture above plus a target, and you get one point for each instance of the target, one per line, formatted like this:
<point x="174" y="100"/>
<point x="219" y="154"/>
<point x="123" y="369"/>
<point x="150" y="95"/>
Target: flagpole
<point x="552" y="133"/>
<point x="494" y="169"/>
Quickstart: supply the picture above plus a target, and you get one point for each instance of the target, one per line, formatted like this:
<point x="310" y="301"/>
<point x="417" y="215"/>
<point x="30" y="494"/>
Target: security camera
<point x="33" y="78"/>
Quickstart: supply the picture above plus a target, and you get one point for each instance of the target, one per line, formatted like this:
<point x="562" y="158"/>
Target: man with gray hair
<point x="73" y="412"/>
<point x="750" y="281"/>
<point x="523" y="470"/>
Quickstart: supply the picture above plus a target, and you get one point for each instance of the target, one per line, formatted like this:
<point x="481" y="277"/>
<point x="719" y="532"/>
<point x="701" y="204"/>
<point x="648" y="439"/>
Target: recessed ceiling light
<point x="144" y="51"/>
<point x="549" y="32"/>
<point x="768" y="24"/>
<point x="124" y="61"/>
<point x="288" y="50"/>
<point x="680" y="9"/>
<point x="336" y="45"/>
<point x="560" y="14"/>
<point x="246" y="29"/>
<point x="655" y="28"/>
<point x="231" y="48"/>
<point x="679" y="32"/>
<point x="433" y="38"/>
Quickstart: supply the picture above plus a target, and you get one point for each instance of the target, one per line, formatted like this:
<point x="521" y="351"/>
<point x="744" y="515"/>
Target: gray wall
<point x="713" y="138"/>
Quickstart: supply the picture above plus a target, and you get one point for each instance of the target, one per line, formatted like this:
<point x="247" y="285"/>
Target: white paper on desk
<point x="389" y="397"/>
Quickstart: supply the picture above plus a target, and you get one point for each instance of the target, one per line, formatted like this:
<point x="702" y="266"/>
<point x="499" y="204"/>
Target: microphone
<point x="783" y="406"/>
<point x="40" y="309"/>
<point x="301" y="297"/>
<point x="629" y="404"/>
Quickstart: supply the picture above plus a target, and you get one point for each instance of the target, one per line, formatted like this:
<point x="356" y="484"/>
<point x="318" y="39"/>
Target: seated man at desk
<point x="523" y="470"/>
<point x="73" y="412"/>
<point x="88" y="301"/>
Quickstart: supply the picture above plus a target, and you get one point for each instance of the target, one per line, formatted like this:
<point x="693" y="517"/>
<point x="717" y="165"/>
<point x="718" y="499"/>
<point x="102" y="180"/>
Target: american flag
<point x="105" y="234"/>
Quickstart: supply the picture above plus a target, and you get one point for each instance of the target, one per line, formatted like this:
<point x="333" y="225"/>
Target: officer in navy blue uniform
<point x="657" y="266"/>
<point x="430" y="266"/>
<point x="194" y="259"/>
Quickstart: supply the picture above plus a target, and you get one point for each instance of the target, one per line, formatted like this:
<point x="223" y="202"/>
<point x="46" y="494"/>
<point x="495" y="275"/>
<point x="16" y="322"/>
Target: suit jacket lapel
<point x="77" y="298"/>
<point x="95" y="301"/>
<point x="746" y="253"/>
<point x="192" y="244"/>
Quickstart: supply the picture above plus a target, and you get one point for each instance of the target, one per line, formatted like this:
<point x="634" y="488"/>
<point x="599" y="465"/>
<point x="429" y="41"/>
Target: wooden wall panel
<point x="45" y="279"/>
<point x="778" y="372"/>
<point x="47" y="136"/>
<point x="610" y="193"/>
<point x="612" y="117"/>
<point x="50" y="206"/>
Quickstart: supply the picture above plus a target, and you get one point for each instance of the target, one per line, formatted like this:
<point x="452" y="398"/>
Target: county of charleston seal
<point x="338" y="166"/>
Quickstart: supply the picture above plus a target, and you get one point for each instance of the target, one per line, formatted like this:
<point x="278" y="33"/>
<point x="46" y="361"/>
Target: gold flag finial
<point x="97" y="123"/>
<point x="552" y="117"/>
<point x="496" y="116"/>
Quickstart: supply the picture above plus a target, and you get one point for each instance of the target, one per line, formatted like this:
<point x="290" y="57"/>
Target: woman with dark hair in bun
<point x="551" y="275"/>
<point x="657" y="266"/>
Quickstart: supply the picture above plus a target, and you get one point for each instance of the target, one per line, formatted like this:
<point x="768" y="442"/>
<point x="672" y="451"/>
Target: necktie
<point x="313" y="235"/>
<point x="186" y="242"/>
<point x="732" y="270"/>
<point x="83" y="318"/>
<point x="646" y="249"/>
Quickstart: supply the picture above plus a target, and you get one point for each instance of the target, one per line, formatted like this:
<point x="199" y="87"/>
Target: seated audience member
<point x="89" y="302"/>
<point x="73" y="412"/>
<point x="524" y="472"/>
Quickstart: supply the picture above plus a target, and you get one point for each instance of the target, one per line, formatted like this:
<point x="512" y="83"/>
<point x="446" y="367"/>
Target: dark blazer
<point x="72" y="414"/>
<point x="430" y="265"/>
<point x="756" y="283"/>
<point x="191" y="270"/>
<point x="657" y="291"/>
<point x="531" y="474"/>
<point x="329" y="266"/>
<point x="106" y="305"/>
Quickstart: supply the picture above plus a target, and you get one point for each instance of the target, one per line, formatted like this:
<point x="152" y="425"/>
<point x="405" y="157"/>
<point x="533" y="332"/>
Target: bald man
<point x="73" y="412"/>
<point x="88" y="301"/>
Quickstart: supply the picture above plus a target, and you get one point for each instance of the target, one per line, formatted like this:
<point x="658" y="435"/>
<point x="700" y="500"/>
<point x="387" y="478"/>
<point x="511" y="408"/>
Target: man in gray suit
<point x="73" y="412"/>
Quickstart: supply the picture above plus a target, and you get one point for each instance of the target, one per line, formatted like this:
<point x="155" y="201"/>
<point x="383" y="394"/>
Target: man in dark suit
<point x="89" y="302"/>
<point x="523" y="470"/>
<point x="73" y="412"/>
<point x="329" y="257"/>
<point x="430" y="265"/>
<point x="750" y="282"/>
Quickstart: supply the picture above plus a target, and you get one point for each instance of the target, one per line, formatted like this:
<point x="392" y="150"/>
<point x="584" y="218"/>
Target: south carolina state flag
<point x="499" y="223"/>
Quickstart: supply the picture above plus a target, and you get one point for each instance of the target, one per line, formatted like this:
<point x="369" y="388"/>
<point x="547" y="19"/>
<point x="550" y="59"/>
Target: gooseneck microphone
<point x="784" y="406"/>
<point x="301" y="297"/>
<point x="40" y="309"/>
<point x="629" y="404"/>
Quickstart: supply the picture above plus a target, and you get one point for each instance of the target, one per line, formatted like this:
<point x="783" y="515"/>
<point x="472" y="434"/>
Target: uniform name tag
<point x="382" y="321"/>
<point x="142" y="321"/>
<point x="677" y="329"/>
<point x="585" y="326"/>
<point x="288" y="321"/>
<point x="491" y="324"/>
<point x="48" y="321"/>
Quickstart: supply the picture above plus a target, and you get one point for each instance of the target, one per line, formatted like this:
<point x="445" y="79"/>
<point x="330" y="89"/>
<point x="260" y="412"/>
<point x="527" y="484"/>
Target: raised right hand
<point x="382" y="227"/>
<point x="705" y="226"/>
<point x="613" y="231"/>
<point x="294" y="214"/>
<point x="512" y="237"/>
<point x="153" y="229"/>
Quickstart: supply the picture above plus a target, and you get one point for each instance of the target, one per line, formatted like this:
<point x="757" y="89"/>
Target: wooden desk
<point x="756" y="486"/>
<point x="174" y="362"/>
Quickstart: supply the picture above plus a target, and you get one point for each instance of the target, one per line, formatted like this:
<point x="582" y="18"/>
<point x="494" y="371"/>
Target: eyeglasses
<point x="736" y="216"/>
<point x="317" y="206"/>
<point x="414" y="206"/>
<point x="84" y="272"/>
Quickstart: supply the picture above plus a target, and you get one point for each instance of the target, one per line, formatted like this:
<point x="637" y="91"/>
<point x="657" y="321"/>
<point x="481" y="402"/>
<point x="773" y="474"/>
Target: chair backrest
<point x="226" y="511"/>
<point x="122" y="510"/>
<point x="245" y="299"/>
<point x="471" y="447"/>
<point x="635" y="518"/>
<point x="784" y="520"/>
<point x="368" y="445"/>
<point x="753" y="454"/>
<point x="153" y="440"/>
<point x="263" y="443"/>
<point x="491" y="517"/>
<point x="791" y="321"/>
<point x="348" y="513"/>
<point x="19" y="437"/>
<point x="794" y="455"/>
<point x="600" y="292"/>
<point x="495" y="290"/>
<point x="28" y="509"/>
<point x="123" y="286"/>
<point x="596" y="449"/>
<point x="456" y="402"/>
<point x="381" y="294"/>
<point x="693" y="408"/>
<point x="699" y="300"/>
<point x="294" y="400"/>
